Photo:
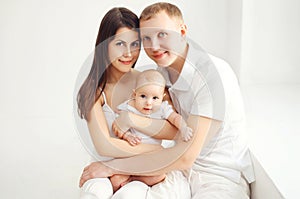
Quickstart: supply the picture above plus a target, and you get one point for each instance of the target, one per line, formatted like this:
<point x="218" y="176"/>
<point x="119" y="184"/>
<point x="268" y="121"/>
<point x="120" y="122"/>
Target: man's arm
<point x="177" y="120"/>
<point x="179" y="157"/>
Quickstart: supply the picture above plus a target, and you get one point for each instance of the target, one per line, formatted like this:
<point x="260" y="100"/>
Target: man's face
<point x="162" y="38"/>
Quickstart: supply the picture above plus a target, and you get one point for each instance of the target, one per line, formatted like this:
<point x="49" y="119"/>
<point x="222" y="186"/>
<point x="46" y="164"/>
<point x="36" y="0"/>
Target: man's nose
<point x="155" y="45"/>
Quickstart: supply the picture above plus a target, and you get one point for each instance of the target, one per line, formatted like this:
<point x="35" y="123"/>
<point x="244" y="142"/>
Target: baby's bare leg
<point x="117" y="180"/>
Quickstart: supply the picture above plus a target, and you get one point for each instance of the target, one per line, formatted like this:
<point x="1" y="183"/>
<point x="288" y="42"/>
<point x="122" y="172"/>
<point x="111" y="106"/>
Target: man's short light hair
<point x="150" y="77"/>
<point x="152" y="10"/>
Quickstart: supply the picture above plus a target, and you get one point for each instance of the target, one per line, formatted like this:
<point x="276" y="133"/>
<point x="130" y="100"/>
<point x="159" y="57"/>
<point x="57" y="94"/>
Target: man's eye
<point x="162" y="34"/>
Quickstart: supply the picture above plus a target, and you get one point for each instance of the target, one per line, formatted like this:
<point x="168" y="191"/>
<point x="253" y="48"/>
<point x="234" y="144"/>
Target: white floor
<point x="42" y="157"/>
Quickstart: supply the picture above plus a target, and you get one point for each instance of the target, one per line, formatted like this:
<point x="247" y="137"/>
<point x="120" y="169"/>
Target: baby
<point x="148" y="101"/>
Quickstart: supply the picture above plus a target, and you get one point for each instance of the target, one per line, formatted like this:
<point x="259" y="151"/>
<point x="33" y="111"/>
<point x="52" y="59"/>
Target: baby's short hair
<point x="152" y="10"/>
<point x="150" y="77"/>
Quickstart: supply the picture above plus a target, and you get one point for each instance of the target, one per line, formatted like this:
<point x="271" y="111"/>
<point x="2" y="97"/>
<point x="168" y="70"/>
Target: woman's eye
<point x="120" y="43"/>
<point x="135" y="44"/>
<point x="162" y="34"/>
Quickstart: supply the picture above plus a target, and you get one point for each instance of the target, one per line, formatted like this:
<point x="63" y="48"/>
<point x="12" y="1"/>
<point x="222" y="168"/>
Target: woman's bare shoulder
<point x="129" y="77"/>
<point x="134" y="72"/>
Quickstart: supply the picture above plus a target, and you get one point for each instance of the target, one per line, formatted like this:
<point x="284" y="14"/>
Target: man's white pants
<point x="211" y="186"/>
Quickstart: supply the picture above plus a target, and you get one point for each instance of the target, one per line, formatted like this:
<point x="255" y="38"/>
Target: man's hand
<point x="95" y="170"/>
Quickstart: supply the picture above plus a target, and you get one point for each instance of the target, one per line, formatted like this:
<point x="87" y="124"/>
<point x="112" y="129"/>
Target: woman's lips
<point x="125" y="62"/>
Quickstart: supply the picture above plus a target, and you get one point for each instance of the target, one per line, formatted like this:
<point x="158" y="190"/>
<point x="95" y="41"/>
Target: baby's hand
<point x="131" y="138"/>
<point x="117" y="130"/>
<point x="186" y="133"/>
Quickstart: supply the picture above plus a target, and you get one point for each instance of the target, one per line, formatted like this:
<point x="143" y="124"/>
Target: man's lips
<point x="159" y="55"/>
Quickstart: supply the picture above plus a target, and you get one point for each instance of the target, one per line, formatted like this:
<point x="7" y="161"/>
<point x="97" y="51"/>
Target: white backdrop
<point x="42" y="47"/>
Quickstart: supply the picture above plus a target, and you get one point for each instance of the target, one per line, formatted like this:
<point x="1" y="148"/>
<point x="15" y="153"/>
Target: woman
<point x="110" y="82"/>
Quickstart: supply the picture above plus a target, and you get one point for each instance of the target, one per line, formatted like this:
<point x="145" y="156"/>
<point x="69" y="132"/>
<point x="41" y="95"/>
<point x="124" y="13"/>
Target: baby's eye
<point x="162" y="34"/>
<point x="155" y="98"/>
<point x="143" y="96"/>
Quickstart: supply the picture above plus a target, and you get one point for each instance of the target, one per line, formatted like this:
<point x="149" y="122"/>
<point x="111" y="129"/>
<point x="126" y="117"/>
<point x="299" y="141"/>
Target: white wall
<point x="270" y="42"/>
<point x="216" y="26"/>
<point x="43" y="45"/>
<point x="270" y="77"/>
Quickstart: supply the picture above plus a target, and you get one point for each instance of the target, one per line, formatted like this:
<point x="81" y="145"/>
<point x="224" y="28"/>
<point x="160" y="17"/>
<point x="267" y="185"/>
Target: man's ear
<point x="183" y="29"/>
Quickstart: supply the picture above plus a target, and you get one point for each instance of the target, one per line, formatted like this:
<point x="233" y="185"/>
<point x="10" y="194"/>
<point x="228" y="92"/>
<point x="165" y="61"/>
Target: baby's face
<point x="148" y="98"/>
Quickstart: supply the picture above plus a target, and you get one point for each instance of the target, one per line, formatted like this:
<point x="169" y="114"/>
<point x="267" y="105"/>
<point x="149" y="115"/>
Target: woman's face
<point x="124" y="49"/>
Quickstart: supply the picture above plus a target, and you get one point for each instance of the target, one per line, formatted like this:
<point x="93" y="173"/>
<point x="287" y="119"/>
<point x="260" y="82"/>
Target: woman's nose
<point x="127" y="52"/>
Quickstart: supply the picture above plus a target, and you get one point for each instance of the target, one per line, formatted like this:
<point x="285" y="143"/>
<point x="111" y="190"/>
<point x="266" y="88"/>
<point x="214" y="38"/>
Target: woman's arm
<point x="179" y="157"/>
<point x="105" y="144"/>
<point x="157" y="128"/>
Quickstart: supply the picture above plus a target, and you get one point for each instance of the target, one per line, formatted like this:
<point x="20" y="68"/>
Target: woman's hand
<point x="121" y="124"/>
<point x="95" y="170"/>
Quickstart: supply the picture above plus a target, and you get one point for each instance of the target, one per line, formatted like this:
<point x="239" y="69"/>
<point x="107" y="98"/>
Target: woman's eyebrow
<point x="122" y="40"/>
<point x="135" y="41"/>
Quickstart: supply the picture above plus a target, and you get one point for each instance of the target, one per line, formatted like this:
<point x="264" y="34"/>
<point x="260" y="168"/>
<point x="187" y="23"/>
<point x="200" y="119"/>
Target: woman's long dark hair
<point x="95" y="82"/>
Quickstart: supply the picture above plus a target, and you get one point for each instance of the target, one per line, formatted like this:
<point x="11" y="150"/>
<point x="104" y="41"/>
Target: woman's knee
<point x="96" y="188"/>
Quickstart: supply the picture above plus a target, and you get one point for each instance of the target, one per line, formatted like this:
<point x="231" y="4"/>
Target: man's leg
<point x="174" y="186"/>
<point x="210" y="186"/>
